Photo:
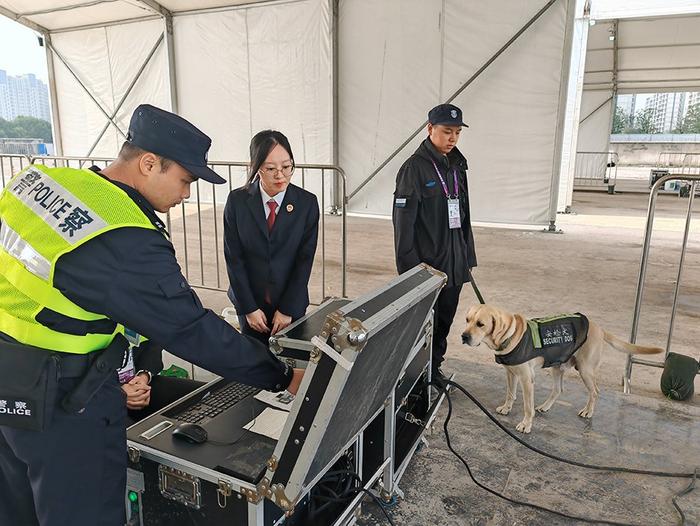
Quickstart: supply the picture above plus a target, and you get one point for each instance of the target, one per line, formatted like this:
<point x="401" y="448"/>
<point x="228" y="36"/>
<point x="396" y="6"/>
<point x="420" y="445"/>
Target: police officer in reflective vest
<point x="84" y="260"/>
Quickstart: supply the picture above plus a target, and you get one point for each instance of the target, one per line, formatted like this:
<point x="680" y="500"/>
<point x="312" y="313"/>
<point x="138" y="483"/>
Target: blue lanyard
<point x="442" y="181"/>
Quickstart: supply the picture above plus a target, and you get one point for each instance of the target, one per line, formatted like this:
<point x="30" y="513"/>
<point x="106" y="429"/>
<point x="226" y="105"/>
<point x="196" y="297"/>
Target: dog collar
<point x="504" y="345"/>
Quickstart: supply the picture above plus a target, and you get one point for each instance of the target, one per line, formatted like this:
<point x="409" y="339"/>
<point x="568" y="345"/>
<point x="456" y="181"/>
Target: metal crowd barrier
<point x="199" y="220"/>
<point x="670" y="160"/>
<point x="595" y="169"/>
<point x="10" y="164"/>
<point x="667" y="163"/>
<point x="691" y="164"/>
<point x="675" y="163"/>
<point x="658" y="185"/>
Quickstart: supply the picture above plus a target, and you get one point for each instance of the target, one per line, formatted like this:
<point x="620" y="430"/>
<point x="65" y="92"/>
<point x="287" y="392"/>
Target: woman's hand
<point x="257" y="321"/>
<point x="280" y="322"/>
<point x="138" y="392"/>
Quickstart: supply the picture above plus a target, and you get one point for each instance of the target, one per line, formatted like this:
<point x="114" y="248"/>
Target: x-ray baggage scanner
<point x="367" y="365"/>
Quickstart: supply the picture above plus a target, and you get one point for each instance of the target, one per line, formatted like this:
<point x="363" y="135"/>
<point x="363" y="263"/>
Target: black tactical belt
<point x="96" y="372"/>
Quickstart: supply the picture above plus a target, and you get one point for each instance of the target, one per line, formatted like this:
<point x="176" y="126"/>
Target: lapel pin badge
<point x="290" y="207"/>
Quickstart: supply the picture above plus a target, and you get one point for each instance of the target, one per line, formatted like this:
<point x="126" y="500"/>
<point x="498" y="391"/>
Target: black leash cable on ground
<point x="690" y="487"/>
<point x="442" y="389"/>
<point x="561" y="459"/>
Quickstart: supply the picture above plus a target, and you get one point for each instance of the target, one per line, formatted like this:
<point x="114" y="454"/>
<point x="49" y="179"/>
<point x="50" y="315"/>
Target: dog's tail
<point x="629" y="348"/>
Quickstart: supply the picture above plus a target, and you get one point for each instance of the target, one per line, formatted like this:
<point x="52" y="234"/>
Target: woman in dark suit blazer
<point x="270" y="236"/>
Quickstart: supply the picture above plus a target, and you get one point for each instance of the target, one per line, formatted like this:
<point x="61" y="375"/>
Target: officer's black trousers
<point x="444" y="312"/>
<point x="71" y="474"/>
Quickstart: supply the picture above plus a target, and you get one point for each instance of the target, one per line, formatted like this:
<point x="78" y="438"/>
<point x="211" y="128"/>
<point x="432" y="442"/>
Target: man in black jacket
<point x="431" y="217"/>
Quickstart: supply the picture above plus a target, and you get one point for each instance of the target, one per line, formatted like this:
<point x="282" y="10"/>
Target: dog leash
<point x="476" y="288"/>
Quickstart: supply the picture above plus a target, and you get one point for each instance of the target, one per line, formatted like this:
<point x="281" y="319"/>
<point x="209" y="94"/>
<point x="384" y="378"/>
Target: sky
<point x="19" y="50"/>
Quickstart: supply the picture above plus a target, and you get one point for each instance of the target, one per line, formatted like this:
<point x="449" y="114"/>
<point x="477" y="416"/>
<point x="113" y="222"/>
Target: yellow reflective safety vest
<point x="44" y="214"/>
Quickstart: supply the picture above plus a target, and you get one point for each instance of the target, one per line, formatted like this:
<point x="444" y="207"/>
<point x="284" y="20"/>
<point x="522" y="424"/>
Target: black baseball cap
<point x="170" y="136"/>
<point x="447" y="115"/>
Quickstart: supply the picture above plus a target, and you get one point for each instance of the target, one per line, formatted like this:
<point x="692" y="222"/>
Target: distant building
<point x="693" y="99"/>
<point x="668" y="110"/>
<point x="23" y="95"/>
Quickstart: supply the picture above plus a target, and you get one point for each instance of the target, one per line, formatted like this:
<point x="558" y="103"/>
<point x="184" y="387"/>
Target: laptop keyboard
<point x="216" y="403"/>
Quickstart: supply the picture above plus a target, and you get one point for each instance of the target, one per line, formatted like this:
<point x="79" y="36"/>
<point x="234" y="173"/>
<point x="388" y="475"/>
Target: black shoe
<point x="439" y="378"/>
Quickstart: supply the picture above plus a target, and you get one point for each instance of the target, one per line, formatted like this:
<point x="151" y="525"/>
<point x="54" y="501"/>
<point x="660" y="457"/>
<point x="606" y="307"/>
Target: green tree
<point x="4" y="127"/>
<point x="621" y="120"/>
<point x="691" y="121"/>
<point x="26" y="128"/>
<point x="643" y="122"/>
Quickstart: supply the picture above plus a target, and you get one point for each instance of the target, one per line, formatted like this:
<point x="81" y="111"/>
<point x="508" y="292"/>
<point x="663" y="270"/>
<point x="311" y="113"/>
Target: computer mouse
<point x="192" y="433"/>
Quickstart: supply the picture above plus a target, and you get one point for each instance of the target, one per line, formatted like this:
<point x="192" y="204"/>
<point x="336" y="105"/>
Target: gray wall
<point x="647" y="153"/>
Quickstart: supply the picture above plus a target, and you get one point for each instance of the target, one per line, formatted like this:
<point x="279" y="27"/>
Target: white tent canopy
<point x="348" y="81"/>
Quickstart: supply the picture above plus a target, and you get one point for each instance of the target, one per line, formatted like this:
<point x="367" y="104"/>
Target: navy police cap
<point x="447" y="115"/>
<point x="170" y="136"/>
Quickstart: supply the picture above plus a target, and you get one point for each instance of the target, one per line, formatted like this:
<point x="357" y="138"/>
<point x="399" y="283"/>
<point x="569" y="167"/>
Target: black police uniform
<point x="74" y="472"/>
<point x="422" y="233"/>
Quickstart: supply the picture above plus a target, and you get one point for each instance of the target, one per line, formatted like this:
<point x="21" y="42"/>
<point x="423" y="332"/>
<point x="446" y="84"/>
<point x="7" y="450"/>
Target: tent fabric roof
<point x="74" y="14"/>
<point x="614" y="9"/>
<point x="654" y="55"/>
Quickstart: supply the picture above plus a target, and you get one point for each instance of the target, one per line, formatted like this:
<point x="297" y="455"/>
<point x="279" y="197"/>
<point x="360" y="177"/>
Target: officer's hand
<point x="257" y="321"/>
<point x="138" y="393"/>
<point x="280" y="322"/>
<point x="293" y="386"/>
<point x="140" y="379"/>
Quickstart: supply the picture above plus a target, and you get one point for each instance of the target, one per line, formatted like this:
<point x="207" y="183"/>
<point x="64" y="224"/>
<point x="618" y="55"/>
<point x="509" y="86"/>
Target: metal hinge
<point x="134" y="454"/>
<point x="281" y="498"/>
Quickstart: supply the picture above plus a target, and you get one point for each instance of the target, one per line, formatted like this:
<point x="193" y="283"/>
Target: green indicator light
<point x="133" y="496"/>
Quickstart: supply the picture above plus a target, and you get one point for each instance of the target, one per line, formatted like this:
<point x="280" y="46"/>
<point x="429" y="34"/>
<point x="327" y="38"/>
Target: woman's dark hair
<point x="261" y="145"/>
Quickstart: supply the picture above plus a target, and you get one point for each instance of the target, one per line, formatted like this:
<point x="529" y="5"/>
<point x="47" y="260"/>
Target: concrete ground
<point x="627" y="430"/>
<point x="591" y="267"/>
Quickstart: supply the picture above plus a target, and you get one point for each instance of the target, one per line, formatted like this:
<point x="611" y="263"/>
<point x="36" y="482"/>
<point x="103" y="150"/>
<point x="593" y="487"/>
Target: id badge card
<point x="453" y="218"/>
<point x="127" y="372"/>
<point x="133" y="337"/>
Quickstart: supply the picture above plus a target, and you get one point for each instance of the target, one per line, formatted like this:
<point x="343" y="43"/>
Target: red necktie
<point x="272" y="204"/>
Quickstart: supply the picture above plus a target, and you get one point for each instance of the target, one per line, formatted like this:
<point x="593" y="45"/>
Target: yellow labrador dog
<point x="559" y="342"/>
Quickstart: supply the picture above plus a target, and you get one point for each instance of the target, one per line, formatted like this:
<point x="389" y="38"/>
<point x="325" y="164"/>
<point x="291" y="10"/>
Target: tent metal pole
<point x="613" y="107"/>
<point x="595" y="110"/>
<point x="51" y="71"/>
<point x="67" y="7"/>
<point x="561" y="115"/>
<point x="335" y="154"/>
<point x="101" y="25"/>
<point x="21" y="19"/>
<point x="53" y="97"/>
<point x="126" y="95"/>
<point x="80" y="82"/>
<point x="167" y="16"/>
<point x="155" y="7"/>
<point x="170" y="50"/>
